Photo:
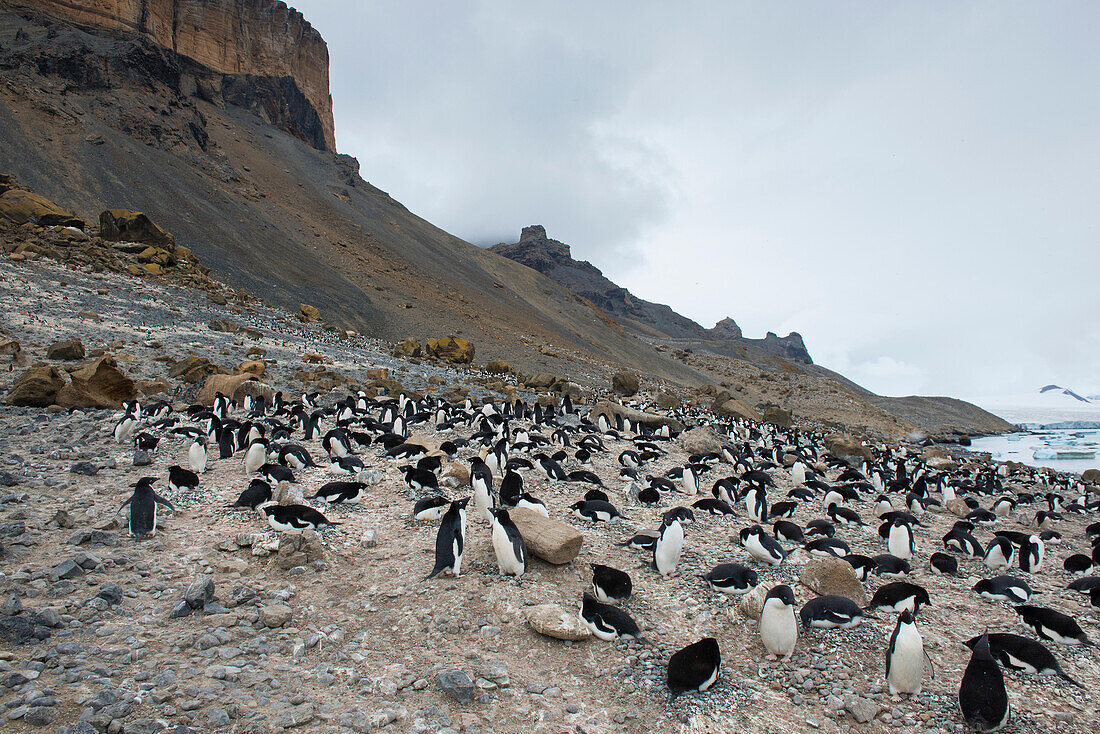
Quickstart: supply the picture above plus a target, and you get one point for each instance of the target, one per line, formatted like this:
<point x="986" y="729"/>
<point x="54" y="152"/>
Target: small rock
<point x="861" y="708"/>
<point x="457" y="684"/>
<point x="554" y="621"/>
<point x="69" y="569"/>
<point x="276" y="615"/>
<point x="199" y="593"/>
<point x="86" y="468"/>
<point x="142" y="457"/>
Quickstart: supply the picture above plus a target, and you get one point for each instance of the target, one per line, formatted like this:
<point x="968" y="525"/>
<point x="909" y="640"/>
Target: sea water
<point x="1022" y="446"/>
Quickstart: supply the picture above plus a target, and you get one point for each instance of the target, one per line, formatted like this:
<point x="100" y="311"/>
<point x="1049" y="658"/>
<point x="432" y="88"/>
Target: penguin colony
<point x="508" y="446"/>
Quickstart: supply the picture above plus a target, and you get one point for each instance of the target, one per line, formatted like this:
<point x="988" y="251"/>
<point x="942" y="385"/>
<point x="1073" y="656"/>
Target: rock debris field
<point x="218" y="624"/>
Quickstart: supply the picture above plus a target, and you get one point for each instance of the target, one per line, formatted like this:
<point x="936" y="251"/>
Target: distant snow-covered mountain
<point x="1048" y="405"/>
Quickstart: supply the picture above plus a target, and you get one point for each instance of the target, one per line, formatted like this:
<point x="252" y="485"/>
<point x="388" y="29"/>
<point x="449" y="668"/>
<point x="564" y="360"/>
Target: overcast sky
<point x="915" y="187"/>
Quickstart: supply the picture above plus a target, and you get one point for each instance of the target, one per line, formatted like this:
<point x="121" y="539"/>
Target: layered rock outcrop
<point x="261" y="47"/>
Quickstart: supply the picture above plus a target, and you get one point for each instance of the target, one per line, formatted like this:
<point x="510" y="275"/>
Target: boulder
<point x="125" y="225"/>
<point x="224" y="384"/>
<point x="551" y="540"/>
<point x="451" y="349"/>
<point x="37" y="387"/>
<point x="407" y="348"/>
<point x="666" y="400"/>
<point x="733" y="408"/>
<point x="308" y="313"/>
<point x="752" y="603"/>
<point x="253" y="389"/>
<point x="843" y="445"/>
<point x="299" y="549"/>
<point x="1091" y="476"/>
<point x="97" y="384"/>
<point x="457" y="684"/>
<point x="613" y="410"/>
<point x="832" y="576"/>
<point x="69" y="350"/>
<point x="699" y="441"/>
<point x="957" y="506"/>
<point x="554" y="621"/>
<point x="624" y="384"/>
<point x="497" y="367"/>
<point x="276" y="615"/>
<point x="252" y="367"/>
<point x="21" y="207"/>
<point x="777" y="416"/>
<point x="541" y="381"/>
<point x="191" y="369"/>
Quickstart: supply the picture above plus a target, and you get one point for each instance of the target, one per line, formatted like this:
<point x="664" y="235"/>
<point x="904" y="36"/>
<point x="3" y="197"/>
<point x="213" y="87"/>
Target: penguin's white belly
<point x="898" y="544"/>
<point x="666" y="556"/>
<point x="778" y="631"/>
<point x="254" y="459"/>
<point x="759" y="552"/>
<point x="197" y="458"/>
<point x="506" y="556"/>
<point x="481" y="502"/>
<point x="907" y="663"/>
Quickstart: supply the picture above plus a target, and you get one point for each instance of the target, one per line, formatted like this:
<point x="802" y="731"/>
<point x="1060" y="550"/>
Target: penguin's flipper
<point x="161" y="501"/>
<point x="124" y="504"/>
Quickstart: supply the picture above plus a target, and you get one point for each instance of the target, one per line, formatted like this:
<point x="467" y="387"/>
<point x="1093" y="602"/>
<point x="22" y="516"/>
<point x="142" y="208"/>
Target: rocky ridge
<point x="644" y="318"/>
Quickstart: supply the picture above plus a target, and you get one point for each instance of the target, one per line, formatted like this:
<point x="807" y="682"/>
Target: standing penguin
<point x="695" y="668"/>
<point x="778" y="626"/>
<point x="982" y="695"/>
<point x="256" y="456"/>
<point x="450" y="540"/>
<point x="666" y="551"/>
<point x="1032" y="552"/>
<point x="508" y="544"/>
<point x="756" y="504"/>
<point x="481" y="479"/>
<point x="124" y="429"/>
<point x="905" y="657"/>
<point x="196" y="455"/>
<point x="900" y="541"/>
<point x="143" y="508"/>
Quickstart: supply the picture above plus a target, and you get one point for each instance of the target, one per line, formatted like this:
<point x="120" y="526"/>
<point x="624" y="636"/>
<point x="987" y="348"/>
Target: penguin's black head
<point x="577" y="505"/>
<point x="982" y="585"/>
<point x="461" y="504"/>
<point x="905" y="617"/>
<point x="783" y="593"/>
<point x="145" y="482"/>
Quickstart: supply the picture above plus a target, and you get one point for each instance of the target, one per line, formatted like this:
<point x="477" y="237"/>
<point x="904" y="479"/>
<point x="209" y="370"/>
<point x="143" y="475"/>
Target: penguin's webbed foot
<point x="772" y="657"/>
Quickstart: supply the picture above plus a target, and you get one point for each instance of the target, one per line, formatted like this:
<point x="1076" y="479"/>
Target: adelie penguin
<point x="508" y="545"/>
<point x="762" y="546"/>
<point x="900" y="596"/>
<point x="607" y="622"/>
<point x="610" y="585"/>
<point x="430" y="508"/>
<point x="294" y="519"/>
<point x="1004" y="588"/>
<point x="1050" y="624"/>
<point x="778" y="627"/>
<point x="982" y="695"/>
<point x="595" y="510"/>
<point x="832" y="611"/>
<point x="731" y="578"/>
<point x="1023" y="654"/>
<point x="143" y="508"/>
<point x="255" y="456"/>
<point x="695" y="668"/>
<point x="180" y="479"/>
<point x="258" y="493"/>
<point x="196" y="455"/>
<point x="339" y="492"/>
<point x="450" y="540"/>
<point x="943" y="564"/>
<point x="481" y="479"/>
<point x="905" y="657"/>
<point x="667" y="549"/>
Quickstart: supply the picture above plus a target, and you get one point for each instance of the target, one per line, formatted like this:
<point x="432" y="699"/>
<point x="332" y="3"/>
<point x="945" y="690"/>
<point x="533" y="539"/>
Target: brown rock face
<point x="23" y="206"/>
<point x="624" y="383"/>
<point x="451" y="349"/>
<point x="131" y="226"/>
<point x="242" y="38"/>
<point x="98" y="384"/>
<point x="551" y="540"/>
<point x="37" y="387"/>
<point x="67" y="350"/>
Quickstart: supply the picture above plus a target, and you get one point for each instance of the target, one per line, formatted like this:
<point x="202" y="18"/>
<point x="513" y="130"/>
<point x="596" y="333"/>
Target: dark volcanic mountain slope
<point x="652" y="320"/>
<point x="269" y="213"/>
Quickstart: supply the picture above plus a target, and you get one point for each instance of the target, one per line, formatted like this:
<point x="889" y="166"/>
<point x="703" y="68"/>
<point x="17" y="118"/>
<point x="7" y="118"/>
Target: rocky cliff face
<point x="554" y="260"/>
<point x="259" y="53"/>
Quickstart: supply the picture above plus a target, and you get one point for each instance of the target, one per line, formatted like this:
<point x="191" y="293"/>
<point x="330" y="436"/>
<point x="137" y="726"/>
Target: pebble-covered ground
<point x="355" y="638"/>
